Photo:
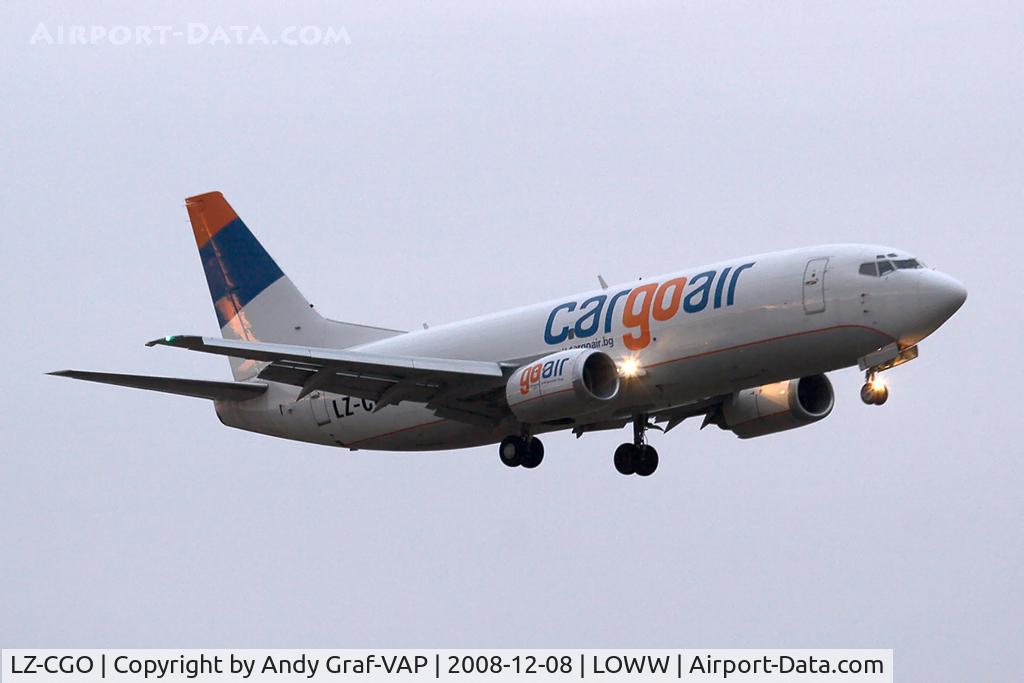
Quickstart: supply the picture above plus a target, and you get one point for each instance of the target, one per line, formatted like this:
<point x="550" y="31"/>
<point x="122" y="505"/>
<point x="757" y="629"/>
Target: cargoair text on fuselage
<point x="744" y="344"/>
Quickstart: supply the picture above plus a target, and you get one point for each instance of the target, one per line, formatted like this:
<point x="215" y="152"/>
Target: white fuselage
<point x="717" y="329"/>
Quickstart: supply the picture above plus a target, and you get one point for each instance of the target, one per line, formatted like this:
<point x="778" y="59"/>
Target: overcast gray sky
<point x="451" y="161"/>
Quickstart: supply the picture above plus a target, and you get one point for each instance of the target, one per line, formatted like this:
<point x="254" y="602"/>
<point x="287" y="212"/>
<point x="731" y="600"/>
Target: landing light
<point x="630" y="367"/>
<point x="877" y="383"/>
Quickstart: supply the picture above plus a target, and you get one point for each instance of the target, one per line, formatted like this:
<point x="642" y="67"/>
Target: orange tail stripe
<point x="208" y="213"/>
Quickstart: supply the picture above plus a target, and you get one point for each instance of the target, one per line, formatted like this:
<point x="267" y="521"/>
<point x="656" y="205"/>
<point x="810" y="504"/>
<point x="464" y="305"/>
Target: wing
<point x="199" y="388"/>
<point x="466" y="390"/>
<point x="672" y="417"/>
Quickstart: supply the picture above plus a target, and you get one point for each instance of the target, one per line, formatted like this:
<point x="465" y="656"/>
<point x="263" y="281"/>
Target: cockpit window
<point x="877" y="268"/>
<point x="882" y="265"/>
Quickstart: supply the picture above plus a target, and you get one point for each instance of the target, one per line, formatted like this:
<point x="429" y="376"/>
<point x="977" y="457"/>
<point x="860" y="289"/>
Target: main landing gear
<point x="637" y="457"/>
<point x="874" y="392"/>
<point x="526" y="450"/>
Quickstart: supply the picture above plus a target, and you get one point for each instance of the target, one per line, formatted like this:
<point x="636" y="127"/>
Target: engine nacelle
<point x="563" y="385"/>
<point x="777" y="407"/>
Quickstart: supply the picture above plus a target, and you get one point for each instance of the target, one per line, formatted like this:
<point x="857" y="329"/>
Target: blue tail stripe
<point x="238" y="269"/>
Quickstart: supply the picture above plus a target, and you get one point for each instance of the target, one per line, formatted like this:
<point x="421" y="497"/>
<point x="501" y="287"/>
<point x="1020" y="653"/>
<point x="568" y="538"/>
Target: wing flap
<point x="364" y="363"/>
<point x="461" y="387"/>
<point x="672" y="417"/>
<point x="197" y="388"/>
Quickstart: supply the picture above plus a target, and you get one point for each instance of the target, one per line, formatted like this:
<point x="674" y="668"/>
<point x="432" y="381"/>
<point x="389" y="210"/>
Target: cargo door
<point x="814" y="285"/>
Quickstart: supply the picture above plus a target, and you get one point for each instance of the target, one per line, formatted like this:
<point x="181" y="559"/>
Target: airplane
<point x="744" y="343"/>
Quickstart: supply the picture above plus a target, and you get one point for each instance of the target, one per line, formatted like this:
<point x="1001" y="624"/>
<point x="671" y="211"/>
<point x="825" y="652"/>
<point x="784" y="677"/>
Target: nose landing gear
<point x="637" y="457"/>
<point x="874" y="392"/>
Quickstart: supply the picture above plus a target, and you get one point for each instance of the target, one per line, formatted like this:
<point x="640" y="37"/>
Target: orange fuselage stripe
<point x="397" y="431"/>
<point x="769" y="340"/>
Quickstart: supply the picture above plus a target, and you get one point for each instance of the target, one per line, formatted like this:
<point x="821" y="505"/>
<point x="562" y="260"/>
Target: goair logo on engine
<point x="652" y="301"/>
<point x="531" y="375"/>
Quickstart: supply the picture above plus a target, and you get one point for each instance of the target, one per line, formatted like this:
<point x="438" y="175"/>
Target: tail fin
<point x="253" y="298"/>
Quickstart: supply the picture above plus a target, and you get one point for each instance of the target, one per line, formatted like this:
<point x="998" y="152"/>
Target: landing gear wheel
<point x="625" y="458"/>
<point x="874" y="395"/>
<point x="511" y="451"/>
<point x="637" y="457"/>
<point x="646" y="460"/>
<point x="533" y="454"/>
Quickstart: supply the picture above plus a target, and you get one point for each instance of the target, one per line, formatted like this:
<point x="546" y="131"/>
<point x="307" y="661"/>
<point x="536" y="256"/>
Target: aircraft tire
<point x="625" y="459"/>
<point x="646" y="461"/>
<point x="533" y="453"/>
<point x="511" y="450"/>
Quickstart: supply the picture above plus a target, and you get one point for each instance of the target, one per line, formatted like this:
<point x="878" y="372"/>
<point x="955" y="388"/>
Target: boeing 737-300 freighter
<point x="744" y="344"/>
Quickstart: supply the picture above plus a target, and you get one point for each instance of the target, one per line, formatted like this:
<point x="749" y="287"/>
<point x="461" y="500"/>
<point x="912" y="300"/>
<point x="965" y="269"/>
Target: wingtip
<point x="180" y="341"/>
<point x="60" y="373"/>
<point x="164" y="341"/>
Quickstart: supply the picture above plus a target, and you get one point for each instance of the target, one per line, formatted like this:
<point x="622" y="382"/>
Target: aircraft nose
<point x="940" y="296"/>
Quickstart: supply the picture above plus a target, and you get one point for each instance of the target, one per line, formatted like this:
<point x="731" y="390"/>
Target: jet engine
<point x="562" y="385"/>
<point x="777" y="407"/>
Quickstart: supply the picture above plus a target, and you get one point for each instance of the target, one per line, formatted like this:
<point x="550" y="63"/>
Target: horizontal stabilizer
<point x="198" y="388"/>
